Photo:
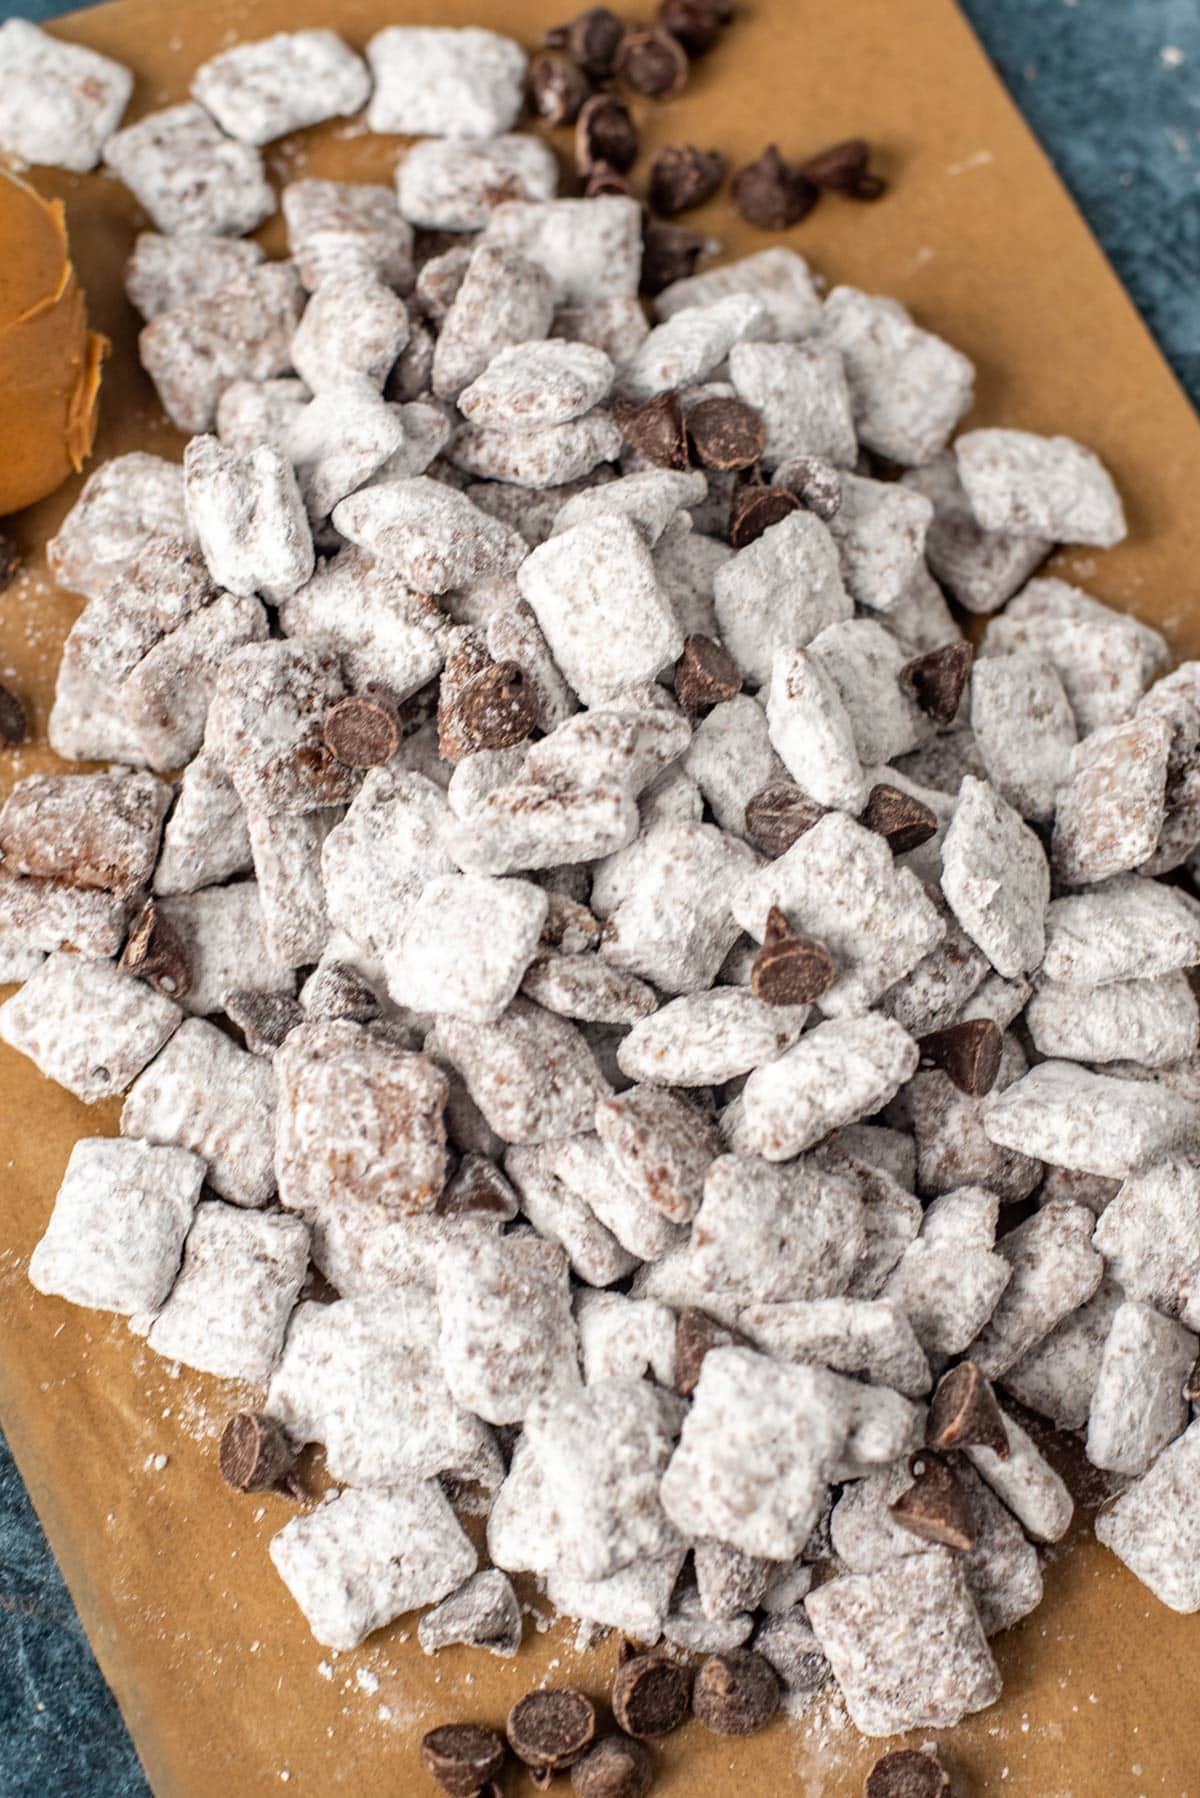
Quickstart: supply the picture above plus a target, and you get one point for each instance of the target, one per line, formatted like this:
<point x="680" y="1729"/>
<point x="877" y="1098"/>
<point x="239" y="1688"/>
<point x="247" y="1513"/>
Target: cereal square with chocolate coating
<point x="731" y="758"/>
<point x="1058" y="1377"/>
<point x="507" y="1334"/>
<point x="1055" y="1269"/>
<point x="164" y="273"/>
<point x="1121" y="929"/>
<point x="868" y="1337"/>
<point x="286" y="847"/>
<point x="1110" y="812"/>
<point x="249" y="518"/>
<point x="87" y="1027"/>
<point x="545" y="457"/>
<point x="436" y="82"/>
<point x="205" y="839"/>
<point x="340" y="440"/>
<point x="622" y="1338"/>
<point x="661" y="1144"/>
<point x="118" y="1226"/>
<point x="59" y="102"/>
<point x="779" y="278"/>
<point x="266" y="724"/>
<point x="687" y="348"/>
<point x="909" y="388"/>
<point x="949" y="1280"/>
<point x="431" y="536"/>
<point x="778" y="593"/>
<point x="771" y="1234"/>
<point x="262" y="90"/>
<point x="1105" y="659"/>
<point x="1027" y="1483"/>
<point x="1149" y="1235"/>
<point x="454" y="184"/>
<point x="584" y="1167"/>
<point x="370" y="616"/>
<point x="466" y="945"/>
<point x="673" y="925"/>
<point x="49" y="914"/>
<point x="801" y="393"/>
<point x="238" y="1282"/>
<point x="590" y="249"/>
<point x="378" y="859"/>
<point x="863" y="661"/>
<point x="847" y="1068"/>
<point x="504" y="299"/>
<point x="1025" y="731"/>
<point x="879" y="529"/>
<point x="201" y="1092"/>
<point x="563" y="1215"/>
<point x="188" y="175"/>
<point x="254" y="412"/>
<point x="702" y="1039"/>
<point x="362" y="1560"/>
<point x="950" y="1130"/>
<point x="1154" y="1022"/>
<point x="812" y="732"/>
<point x="122" y="505"/>
<point x="1154" y="1525"/>
<point x="90" y="830"/>
<point x="1037" y="486"/>
<point x="531" y="1073"/>
<point x="360" y="1118"/>
<point x="224" y="939"/>
<point x="534" y="385"/>
<point x="980" y="568"/>
<point x="996" y="878"/>
<point x="353" y="325"/>
<point x="1095" y="1122"/>
<point x="335" y="227"/>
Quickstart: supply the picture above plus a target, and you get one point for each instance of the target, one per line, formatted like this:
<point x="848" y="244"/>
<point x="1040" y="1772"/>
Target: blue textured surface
<point x="1112" y="88"/>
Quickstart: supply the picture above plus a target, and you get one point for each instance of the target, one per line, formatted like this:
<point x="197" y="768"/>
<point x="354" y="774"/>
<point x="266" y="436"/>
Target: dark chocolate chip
<point x="669" y="254"/>
<point x="462" y="1757"/>
<point x="968" y="1053"/>
<point x="616" y="1767"/>
<point x="755" y="509"/>
<point x="336" y="991"/>
<point x="361" y="732"/>
<point x="10" y="561"/>
<point x="557" y="88"/>
<point x="478" y="1189"/>
<point x="839" y="168"/>
<point x="736" y="1693"/>
<point x="817" y="484"/>
<point x="650" y="1695"/>
<point x="936" y="1507"/>
<point x="264" y="1019"/>
<point x="868" y="187"/>
<point x="605" y="135"/>
<point x="254" y="1454"/>
<point x="938" y="679"/>
<point x="963" y="1413"/>
<point x="14" y="724"/>
<point x="779" y="814"/>
<point x="551" y="1729"/>
<point x="655" y="429"/>
<point x="771" y="194"/>
<point x="695" y="1333"/>
<point x="592" y="38"/>
<point x="498" y="708"/>
<point x="627" y="1648"/>
<point x="696" y="24"/>
<point x="905" y="822"/>
<point x="681" y="176"/>
<point x="603" y="180"/>
<point x="467" y="657"/>
<point x="726" y="433"/>
<point x="652" y="63"/>
<point x="705" y="674"/>
<point x="154" y="952"/>
<point x="907" y="1773"/>
<point x="790" y="969"/>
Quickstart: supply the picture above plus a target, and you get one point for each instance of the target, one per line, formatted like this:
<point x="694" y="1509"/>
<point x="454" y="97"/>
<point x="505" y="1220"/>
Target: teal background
<point x="1112" y="88"/>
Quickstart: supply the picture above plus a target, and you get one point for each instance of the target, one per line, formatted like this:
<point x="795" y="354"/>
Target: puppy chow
<point x="1152" y="1526"/>
<point x="562" y="1215"/>
<point x="86" y="1026"/>
<point x="165" y="273"/>
<point x="879" y="530"/>
<point x="201" y="1092"/>
<point x="1036" y="486"/>
<point x="262" y="90"/>
<point x="687" y="348"/>
<point x="466" y="946"/>
<point x="778" y="278"/>
<point x="431" y="537"/>
<point x="624" y="1338"/>
<point x="122" y="505"/>
<point x="434" y="82"/>
<point x="205" y="839"/>
<point x="61" y="102"/>
<point x="183" y="170"/>
<point x="1104" y="659"/>
<point x="981" y="569"/>
<point x="801" y="394"/>
<point x="223" y="932"/>
<point x="1070" y="1117"/>
<point x="454" y="184"/>
<point x="844" y="1070"/>
<point x="778" y="593"/>
<point x="908" y="388"/>
<point x="590" y="249"/>
<point x="1111" y="809"/>
<point x="502" y="300"/>
<point x="507" y="1337"/>
<point x="996" y="878"/>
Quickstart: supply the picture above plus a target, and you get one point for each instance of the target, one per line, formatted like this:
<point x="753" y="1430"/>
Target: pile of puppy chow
<point x="713" y="1037"/>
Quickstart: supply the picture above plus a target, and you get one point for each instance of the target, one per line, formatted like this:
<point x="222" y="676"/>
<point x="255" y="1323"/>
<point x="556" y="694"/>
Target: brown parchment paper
<point x="221" y="1683"/>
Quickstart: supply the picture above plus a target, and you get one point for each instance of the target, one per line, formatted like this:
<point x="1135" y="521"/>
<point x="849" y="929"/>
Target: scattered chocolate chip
<point x="336" y="991"/>
<point x="780" y="813"/>
<point x="963" y="1413"/>
<point x="696" y="24"/>
<point x="735" y="1694"/>
<point x="681" y="176"/>
<point x="905" y="822"/>
<point x="695" y="1333"/>
<point x="907" y="1773"/>
<point x="840" y="168"/>
<point x="652" y="63"/>
<point x="650" y="1695"/>
<point x="264" y="1019"/>
<point x="591" y="38"/>
<point x="817" y="485"/>
<point x="605" y="135"/>
<point x="936" y="1507"/>
<point x="551" y="1729"/>
<point x="726" y="433"/>
<point x="154" y="952"/>
<point x="478" y="1189"/>
<point x="705" y="674"/>
<point x="755" y="509"/>
<point x="14" y="725"/>
<point x="655" y="429"/>
<point x="361" y="732"/>
<point x="10" y="561"/>
<point x="669" y="253"/>
<point x="771" y="194"/>
<point x="615" y="1768"/>
<point x="462" y="1757"/>
<point x="968" y="1053"/>
<point x="604" y="180"/>
<point x="557" y="88"/>
<point x="938" y="680"/>
<point x="790" y="969"/>
<point x="498" y="708"/>
<point x="254" y="1455"/>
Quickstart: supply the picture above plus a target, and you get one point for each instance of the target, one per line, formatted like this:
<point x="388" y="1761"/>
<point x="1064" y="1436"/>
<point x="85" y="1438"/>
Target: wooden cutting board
<point x="221" y="1683"/>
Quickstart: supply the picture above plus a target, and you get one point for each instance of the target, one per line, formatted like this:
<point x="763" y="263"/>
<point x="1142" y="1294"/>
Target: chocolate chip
<point x="592" y="38"/>
<point x="669" y="254"/>
<point x="498" y="708"/>
<point x="655" y="429"/>
<point x="817" y="485"/>
<point x="336" y="991"/>
<point x="652" y="63"/>
<point x="842" y="169"/>
<point x="462" y="1757"/>
<point x="755" y="509"/>
<point x="681" y="176"/>
<point x="361" y="732"/>
<point x="154" y="952"/>
<point x="626" y="1650"/>
<point x="615" y="1768"/>
<point x="10" y="561"/>
<point x="605" y="135"/>
<point x="254" y="1455"/>
<point x="907" y="1773"/>
<point x="936" y="1507"/>
<point x="551" y="1729"/>
<point x="735" y="1694"/>
<point x="696" y="24"/>
<point x="968" y="1053"/>
<point x="604" y="180"/>
<point x="264" y="1019"/>
<point x="695" y="1333"/>
<point x="557" y="88"/>
<point x="726" y="433"/>
<point x="771" y="194"/>
<point x="963" y="1413"/>
<point x="905" y="822"/>
<point x="480" y="1191"/>
<point x="779" y="814"/>
<point x="790" y="969"/>
<point x="705" y="674"/>
<point x="938" y="680"/>
<point x="650" y="1695"/>
<point x="14" y="725"/>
